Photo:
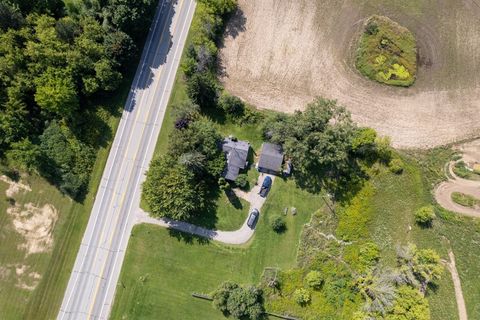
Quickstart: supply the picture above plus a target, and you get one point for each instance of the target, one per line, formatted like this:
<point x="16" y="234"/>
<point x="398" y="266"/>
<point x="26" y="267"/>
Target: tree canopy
<point x="56" y="59"/>
<point x="239" y="302"/>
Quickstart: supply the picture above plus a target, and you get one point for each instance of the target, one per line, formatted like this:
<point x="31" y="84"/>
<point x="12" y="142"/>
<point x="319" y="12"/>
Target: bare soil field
<point x="280" y="54"/>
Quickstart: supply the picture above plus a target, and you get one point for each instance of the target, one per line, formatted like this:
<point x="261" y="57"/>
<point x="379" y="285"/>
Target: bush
<point x="242" y="181"/>
<point x="314" y="279"/>
<point x="223" y="184"/>
<point x="239" y="302"/>
<point x="302" y="296"/>
<point x="278" y="224"/>
<point x="425" y="215"/>
<point x="396" y="166"/>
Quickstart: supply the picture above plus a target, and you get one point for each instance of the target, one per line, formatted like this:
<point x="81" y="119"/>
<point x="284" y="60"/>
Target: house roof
<point x="271" y="157"/>
<point x="236" y="153"/>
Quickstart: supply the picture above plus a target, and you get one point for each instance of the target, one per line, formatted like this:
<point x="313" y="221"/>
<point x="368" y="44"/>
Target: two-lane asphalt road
<point x="91" y="288"/>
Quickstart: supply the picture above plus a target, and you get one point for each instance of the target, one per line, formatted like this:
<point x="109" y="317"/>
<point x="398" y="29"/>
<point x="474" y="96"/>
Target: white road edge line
<point x="128" y="113"/>
<point x="148" y="145"/>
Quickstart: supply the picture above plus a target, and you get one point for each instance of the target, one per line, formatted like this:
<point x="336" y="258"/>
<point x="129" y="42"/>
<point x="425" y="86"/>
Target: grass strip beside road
<point x="160" y="272"/>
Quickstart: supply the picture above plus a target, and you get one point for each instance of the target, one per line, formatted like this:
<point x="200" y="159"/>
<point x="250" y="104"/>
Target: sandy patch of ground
<point x="4" y="272"/>
<point x="281" y="54"/>
<point x="26" y="280"/>
<point x="14" y="187"/>
<point x="35" y="224"/>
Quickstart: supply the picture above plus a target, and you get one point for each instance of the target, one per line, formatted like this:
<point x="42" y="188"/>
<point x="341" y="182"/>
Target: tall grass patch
<point x="387" y="52"/>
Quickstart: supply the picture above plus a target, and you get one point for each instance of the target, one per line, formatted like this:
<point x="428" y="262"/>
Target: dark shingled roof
<point x="237" y="154"/>
<point x="271" y="157"/>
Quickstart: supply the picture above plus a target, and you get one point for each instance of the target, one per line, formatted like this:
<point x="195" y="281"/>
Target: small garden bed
<point x="387" y="52"/>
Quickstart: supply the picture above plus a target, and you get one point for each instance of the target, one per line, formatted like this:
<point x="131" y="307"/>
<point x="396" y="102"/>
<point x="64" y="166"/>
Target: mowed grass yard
<point x="160" y="272"/>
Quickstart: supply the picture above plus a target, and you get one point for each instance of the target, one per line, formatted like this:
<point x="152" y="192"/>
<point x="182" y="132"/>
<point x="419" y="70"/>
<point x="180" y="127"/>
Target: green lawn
<point x="160" y="272"/>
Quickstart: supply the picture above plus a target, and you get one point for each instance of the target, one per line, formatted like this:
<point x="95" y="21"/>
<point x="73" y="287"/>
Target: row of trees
<point x="201" y="64"/>
<point x="56" y="59"/>
<point x="178" y="183"/>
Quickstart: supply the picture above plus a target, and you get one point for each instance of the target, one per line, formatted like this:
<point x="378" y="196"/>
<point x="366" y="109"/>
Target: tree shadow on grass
<point x="188" y="238"/>
<point x="234" y="200"/>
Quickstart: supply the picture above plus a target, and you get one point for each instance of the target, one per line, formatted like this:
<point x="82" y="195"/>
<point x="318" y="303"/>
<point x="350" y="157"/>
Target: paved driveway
<point x="239" y="236"/>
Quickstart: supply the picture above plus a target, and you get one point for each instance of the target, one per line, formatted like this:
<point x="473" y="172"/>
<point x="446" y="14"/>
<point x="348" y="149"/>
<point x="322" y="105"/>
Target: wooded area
<point x="58" y="60"/>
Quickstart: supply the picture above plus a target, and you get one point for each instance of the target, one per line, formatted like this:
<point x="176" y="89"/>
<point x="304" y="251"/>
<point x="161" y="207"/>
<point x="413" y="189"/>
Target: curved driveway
<point x="239" y="236"/>
<point x="443" y="193"/>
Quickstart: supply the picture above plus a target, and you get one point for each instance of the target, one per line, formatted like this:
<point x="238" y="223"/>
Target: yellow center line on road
<point x="118" y="148"/>
<point x="179" y="8"/>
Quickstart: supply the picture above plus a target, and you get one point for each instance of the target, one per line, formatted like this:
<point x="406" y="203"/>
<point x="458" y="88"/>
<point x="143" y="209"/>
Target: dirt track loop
<point x="280" y="54"/>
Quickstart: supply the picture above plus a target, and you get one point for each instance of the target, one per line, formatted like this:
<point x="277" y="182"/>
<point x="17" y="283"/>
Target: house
<point x="236" y="153"/>
<point x="271" y="158"/>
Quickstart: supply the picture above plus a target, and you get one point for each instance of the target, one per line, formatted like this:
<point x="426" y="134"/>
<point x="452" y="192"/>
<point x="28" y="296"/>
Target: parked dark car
<point x="252" y="219"/>
<point x="267" y="183"/>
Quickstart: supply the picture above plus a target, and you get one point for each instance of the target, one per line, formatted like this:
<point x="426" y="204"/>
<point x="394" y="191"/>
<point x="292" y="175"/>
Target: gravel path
<point x="239" y="236"/>
<point x="462" y="310"/>
<point x="443" y="193"/>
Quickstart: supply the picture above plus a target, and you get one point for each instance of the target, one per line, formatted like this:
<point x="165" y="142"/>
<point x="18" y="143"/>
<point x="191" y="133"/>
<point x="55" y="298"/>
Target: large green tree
<point x="172" y="191"/>
<point x="239" y="302"/>
<point x="318" y="141"/>
<point x="56" y="92"/>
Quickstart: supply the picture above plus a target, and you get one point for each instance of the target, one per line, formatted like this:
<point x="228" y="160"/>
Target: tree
<point x="239" y="302"/>
<point x="278" y="224"/>
<point x="131" y="16"/>
<point x="184" y="113"/>
<point x="119" y="46"/>
<point x="409" y="305"/>
<point x="10" y="17"/>
<point x="302" y="296"/>
<point x="232" y="105"/>
<point x="314" y="279"/>
<point x="376" y="287"/>
<point x="200" y="136"/>
<point x="425" y="215"/>
<point x="56" y="92"/>
<point x="65" y="161"/>
<point x="24" y="155"/>
<point x="318" y="141"/>
<point x="107" y="76"/>
<point x="67" y="29"/>
<point x="171" y="190"/>
<point x="418" y="267"/>
<point x="202" y="88"/>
